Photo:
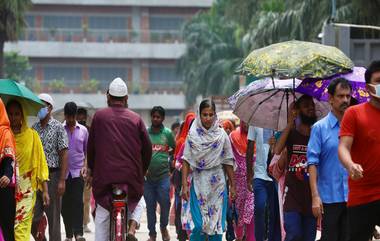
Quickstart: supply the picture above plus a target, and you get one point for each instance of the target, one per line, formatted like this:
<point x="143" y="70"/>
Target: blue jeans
<point x="299" y="227"/>
<point x="157" y="192"/>
<point x="266" y="201"/>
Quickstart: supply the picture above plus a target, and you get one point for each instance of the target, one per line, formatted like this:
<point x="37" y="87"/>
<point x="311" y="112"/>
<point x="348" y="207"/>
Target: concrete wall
<point x="142" y="104"/>
<point x="152" y="3"/>
<point x="36" y="49"/>
<point x="361" y="51"/>
<point x="139" y="102"/>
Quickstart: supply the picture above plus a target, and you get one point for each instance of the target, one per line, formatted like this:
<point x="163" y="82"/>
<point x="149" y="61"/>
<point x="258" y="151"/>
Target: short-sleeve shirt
<point x="54" y="139"/>
<point x="322" y="151"/>
<point x="77" y="148"/>
<point x="260" y="167"/>
<point x="162" y="142"/>
<point x="362" y="123"/>
<point x="297" y="189"/>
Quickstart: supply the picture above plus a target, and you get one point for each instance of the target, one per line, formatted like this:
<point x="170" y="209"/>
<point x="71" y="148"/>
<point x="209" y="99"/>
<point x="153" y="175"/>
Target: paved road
<point x="142" y="234"/>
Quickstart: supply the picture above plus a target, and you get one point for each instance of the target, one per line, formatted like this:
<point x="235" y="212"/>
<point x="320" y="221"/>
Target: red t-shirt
<point x="362" y="122"/>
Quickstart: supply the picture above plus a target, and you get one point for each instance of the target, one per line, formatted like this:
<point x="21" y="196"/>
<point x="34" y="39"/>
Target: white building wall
<point x="98" y="50"/>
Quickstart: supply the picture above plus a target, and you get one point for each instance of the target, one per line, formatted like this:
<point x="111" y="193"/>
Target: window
<point x="107" y="22"/>
<point x="30" y="21"/>
<point x="166" y="23"/>
<point x="73" y="22"/>
<point x="163" y="74"/>
<point x="106" y="74"/>
<point x="72" y="76"/>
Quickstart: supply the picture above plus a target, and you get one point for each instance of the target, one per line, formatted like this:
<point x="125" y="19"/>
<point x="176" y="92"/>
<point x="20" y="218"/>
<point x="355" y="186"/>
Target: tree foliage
<point x="11" y="23"/>
<point x="220" y="38"/>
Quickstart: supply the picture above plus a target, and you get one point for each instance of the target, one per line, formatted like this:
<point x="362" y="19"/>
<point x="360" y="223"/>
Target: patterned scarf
<point x="207" y="148"/>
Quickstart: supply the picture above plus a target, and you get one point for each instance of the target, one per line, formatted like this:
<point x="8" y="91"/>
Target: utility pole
<point x="333" y="10"/>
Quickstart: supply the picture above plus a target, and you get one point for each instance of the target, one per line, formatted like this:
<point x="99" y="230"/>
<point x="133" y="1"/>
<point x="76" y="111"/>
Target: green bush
<point x="57" y="86"/>
<point x="90" y="86"/>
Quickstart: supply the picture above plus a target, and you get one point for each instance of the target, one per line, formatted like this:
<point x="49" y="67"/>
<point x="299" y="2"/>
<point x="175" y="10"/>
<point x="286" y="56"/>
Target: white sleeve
<point x="251" y="133"/>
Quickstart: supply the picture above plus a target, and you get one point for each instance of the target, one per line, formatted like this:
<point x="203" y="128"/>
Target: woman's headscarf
<point x="206" y="149"/>
<point x="30" y="156"/>
<point x="181" y="138"/>
<point x="7" y="142"/>
<point x="239" y="140"/>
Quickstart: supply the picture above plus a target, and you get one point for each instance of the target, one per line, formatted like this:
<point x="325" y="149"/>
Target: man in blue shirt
<point x="328" y="178"/>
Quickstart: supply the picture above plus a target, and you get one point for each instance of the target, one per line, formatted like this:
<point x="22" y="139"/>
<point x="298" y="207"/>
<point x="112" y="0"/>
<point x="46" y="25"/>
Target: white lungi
<point x="102" y="220"/>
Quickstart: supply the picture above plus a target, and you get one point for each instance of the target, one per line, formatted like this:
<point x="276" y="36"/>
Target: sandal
<point x="165" y="234"/>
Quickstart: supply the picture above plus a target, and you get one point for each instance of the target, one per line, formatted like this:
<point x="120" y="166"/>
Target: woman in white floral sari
<point x="208" y="155"/>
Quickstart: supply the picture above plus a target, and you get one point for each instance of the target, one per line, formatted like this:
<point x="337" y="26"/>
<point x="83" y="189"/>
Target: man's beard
<point x="307" y="120"/>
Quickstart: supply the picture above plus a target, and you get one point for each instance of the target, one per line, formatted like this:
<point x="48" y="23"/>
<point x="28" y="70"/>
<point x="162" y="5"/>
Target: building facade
<point x="79" y="46"/>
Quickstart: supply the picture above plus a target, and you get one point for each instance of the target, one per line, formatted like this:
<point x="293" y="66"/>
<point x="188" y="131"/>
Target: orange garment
<point x="7" y="141"/>
<point x="181" y="138"/>
<point x="361" y="123"/>
<point x="228" y="125"/>
<point x="239" y="140"/>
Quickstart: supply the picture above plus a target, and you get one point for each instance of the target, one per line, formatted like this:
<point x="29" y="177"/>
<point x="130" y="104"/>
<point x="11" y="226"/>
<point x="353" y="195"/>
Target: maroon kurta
<point x="119" y="152"/>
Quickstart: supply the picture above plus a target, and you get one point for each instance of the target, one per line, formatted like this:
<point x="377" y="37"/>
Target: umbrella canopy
<point x="263" y="85"/>
<point x="267" y="107"/>
<point x="318" y="87"/>
<point x="296" y="59"/>
<point x="10" y="89"/>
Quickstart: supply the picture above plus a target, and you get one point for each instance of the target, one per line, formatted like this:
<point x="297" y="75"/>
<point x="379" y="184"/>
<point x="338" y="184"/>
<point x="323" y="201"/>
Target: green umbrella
<point x="10" y="89"/>
<point x="296" y="59"/>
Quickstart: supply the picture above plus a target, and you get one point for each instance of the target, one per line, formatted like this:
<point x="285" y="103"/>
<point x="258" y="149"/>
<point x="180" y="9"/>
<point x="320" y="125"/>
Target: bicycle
<point x="118" y="216"/>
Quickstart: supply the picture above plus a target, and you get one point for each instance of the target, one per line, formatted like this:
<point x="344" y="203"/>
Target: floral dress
<point x="207" y="151"/>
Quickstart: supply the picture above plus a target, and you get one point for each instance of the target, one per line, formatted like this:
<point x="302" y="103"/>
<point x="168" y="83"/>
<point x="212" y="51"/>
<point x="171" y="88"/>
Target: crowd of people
<point x="217" y="176"/>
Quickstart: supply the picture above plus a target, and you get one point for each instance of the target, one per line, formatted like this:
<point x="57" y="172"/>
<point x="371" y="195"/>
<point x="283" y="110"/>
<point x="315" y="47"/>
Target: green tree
<point x="11" y="23"/>
<point x="303" y="19"/>
<point x="219" y="39"/>
<point x="15" y="66"/>
<point x="213" y="52"/>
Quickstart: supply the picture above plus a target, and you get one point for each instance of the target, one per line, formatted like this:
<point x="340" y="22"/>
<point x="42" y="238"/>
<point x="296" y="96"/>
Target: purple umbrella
<point x="317" y="88"/>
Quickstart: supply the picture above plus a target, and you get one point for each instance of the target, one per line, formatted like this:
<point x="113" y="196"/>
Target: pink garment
<point x="249" y="230"/>
<point x="244" y="198"/>
<point x="178" y="158"/>
<point x="279" y="175"/>
<point x="1" y="235"/>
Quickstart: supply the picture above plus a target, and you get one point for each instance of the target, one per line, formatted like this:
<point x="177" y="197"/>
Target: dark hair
<point x="334" y="84"/>
<point x="82" y="111"/>
<point x="207" y="103"/>
<point x="302" y="99"/>
<point x="14" y="102"/>
<point x="175" y="125"/>
<point x="70" y="109"/>
<point x="158" y="109"/>
<point x="372" y="68"/>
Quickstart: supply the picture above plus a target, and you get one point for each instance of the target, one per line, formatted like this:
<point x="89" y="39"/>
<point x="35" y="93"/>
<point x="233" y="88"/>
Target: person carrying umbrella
<point x="299" y="222"/>
<point x="7" y="176"/>
<point x="328" y="178"/>
<point x="33" y="172"/>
